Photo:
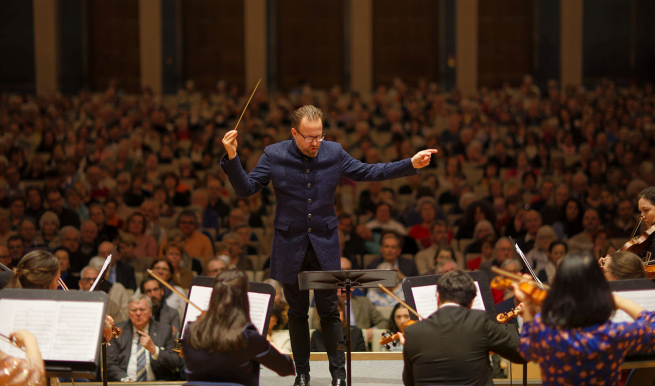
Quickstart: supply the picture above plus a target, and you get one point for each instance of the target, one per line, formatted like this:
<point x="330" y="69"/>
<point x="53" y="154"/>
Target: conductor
<point x="305" y="172"/>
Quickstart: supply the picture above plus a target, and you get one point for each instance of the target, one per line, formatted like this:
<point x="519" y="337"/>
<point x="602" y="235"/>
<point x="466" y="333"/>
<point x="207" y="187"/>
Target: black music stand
<point x="364" y="278"/>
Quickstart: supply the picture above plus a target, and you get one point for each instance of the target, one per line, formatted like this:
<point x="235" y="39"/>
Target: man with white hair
<point x="88" y="236"/>
<point x="144" y="351"/>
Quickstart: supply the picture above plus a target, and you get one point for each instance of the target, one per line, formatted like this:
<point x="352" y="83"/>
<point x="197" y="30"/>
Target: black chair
<point x="641" y="377"/>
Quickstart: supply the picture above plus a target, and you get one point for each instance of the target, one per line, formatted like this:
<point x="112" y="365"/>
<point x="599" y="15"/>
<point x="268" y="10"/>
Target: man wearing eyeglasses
<point x="305" y="172"/>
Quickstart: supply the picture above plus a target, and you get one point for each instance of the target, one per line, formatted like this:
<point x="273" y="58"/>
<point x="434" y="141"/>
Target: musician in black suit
<point x="452" y="345"/>
<point x="143" y="352"/>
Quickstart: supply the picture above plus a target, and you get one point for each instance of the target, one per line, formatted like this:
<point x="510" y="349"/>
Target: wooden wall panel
<point x="310" y="41"/>
<point x="405" y="41"/>
<point x="213" y="42"/>
<point x="505" y="41"/>
<point x="114" y="44"/>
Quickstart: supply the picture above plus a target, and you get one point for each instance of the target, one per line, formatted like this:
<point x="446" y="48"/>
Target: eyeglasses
<point x="309" y="138"/>
<point x="88" y="279"/>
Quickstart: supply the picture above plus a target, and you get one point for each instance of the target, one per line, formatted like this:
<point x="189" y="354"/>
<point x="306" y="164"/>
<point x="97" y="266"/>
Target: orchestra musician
<point x="305" y="172"/>
<point x="36" y="270"/>
<point x="23" y="372"/>
<point x="452" y="345"/>
<point x="222" y="345"/>
<point x="622" y="266"/>
<point x="646" y="206"/>
<point x="572" y="337"/>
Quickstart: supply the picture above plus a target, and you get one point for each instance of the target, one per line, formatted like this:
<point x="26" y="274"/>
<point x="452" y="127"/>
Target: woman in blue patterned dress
<point x="572" y="337"/>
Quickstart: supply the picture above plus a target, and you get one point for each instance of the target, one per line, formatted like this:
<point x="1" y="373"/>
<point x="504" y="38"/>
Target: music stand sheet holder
<point x="331" y="280"/>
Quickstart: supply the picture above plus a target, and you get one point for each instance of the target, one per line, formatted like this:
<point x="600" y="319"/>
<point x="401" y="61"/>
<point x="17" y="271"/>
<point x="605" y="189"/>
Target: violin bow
<point x="383" y="288"/>
<point x="244" y="109"/>
<point x="62" y="284"/>
<point x="170" y="287"/>
<point x="527" y="264"/>
<point x="12" y="341"/>
<point x="634" y="232"/>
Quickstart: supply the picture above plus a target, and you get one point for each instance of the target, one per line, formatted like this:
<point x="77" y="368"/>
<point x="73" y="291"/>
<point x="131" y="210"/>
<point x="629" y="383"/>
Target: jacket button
<point x="309" y="185"/>
<point x="306" y="170"/>
<point x="309" y="230"/>
<point x="309" y="215"/>
<point x="309" y="200"/>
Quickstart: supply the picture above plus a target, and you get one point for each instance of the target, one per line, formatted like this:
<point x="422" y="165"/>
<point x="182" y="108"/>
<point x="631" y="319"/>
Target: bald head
<point x="105" y="248"/>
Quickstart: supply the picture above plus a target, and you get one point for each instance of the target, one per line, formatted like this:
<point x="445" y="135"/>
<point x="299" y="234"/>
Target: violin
<point x="110" y="331"/>
<point x="638" y="244"/>
<point x="389" y="338"/>
<point x="505" y="317"/>
<point x="537" y="292"/>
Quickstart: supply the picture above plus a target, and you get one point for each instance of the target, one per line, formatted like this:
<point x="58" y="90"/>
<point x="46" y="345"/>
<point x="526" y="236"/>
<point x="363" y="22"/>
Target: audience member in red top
<point x="427" y="208"/>
<point x="487" y="253"/>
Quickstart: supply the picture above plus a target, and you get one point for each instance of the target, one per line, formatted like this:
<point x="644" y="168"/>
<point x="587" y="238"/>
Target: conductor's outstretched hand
<point x="420" y="160"/>
<point x="230" y="143"/>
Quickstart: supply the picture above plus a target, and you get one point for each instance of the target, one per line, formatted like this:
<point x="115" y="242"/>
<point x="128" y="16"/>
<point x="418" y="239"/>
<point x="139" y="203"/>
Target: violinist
<point x="223" y="345"/>
<point x="572" y="337"/>
<point x="399" y="316"/>
<point x="36" y="270"/>
<point x="646" y="205"/>
<point x="18" y="372"/>
<point x="452" y="345"/>
<point x="622" y="266"/>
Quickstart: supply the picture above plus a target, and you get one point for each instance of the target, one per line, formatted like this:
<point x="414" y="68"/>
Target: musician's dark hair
<point x="221" y="328"/>
<point x="579" y="296"/>
<point x="625" y="265"/>
<point x="36" y="270"/>
<point x="456" y="287"/>
<point x="393" y="328"/>
<point x="648" y="193"/>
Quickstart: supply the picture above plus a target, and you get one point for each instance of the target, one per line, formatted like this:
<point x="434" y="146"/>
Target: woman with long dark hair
<point x="223" y="345"/>
<point x="572" y="337"/>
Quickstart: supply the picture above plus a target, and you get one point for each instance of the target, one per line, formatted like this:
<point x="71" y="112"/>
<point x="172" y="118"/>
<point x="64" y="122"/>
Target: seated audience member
<point x="195" y="242"/>
<point x="570" y="221"/>
<point x="556" y="252"/>
<point x="49" y="225"/>
<point x="88" y="238"/>
<point x="106" y="232"/>
<point x="384" y="221"/>
<point x="182" y="277"/>
<point x="110" y="207"/>
<point x="583" y="241"/>
<point x="118" y="296"/>
<point x="486" y="254"/>
<point x="214" y="267"/>
<point x="146" y="246"/>
<point x="445" y="266"/>
<point x="178" y="193"/>
<point x="5" y="231"/>
<point x="74" y="203"/>
<point x="27" y="230"/>
<point x="550" y="212"/>
<point x="475" y="213"/>
<point x="624" y="222"/>
<point x="602" y="244"/>
<point x="466" y="338"/>
<point x="34" y="206"/>
<point x="161" y="312"/>
<point x="164" y="269"/>
<point x="538" y="256"/>
<point x="622" y="266"/>
<point x="245" y="233"/>
<point x="152" y="211"/>
<point x="5" y="257"/>
<point x="119" y="271"/>
<point x="381" y="298"/>
<point x="390" y="247"/>
<point x="16" y="211"/>
<point x="149" y="341"/>
<point x="427" y="208"/>
<point x="66" y="216"/>
<point x="126" y="246"/>
<point x="64" y="264"/>
<point x="16" y="246"/>
<point x="222" y="345"/>
<point x="399" y="316"/>
<point x="357" y="343"/>
<point x="442" y="254"/>
<point x="70" y="239"/>
<point x="441" y="237"/>
<point x="531" y="222"/>
<point x="237" y="259"/>
<point x="482" y="229"/>
<point x="363" y="242"/>
<point x="210" y="218"/>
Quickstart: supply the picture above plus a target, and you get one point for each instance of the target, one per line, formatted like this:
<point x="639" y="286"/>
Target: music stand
<point x="364" y="278"/>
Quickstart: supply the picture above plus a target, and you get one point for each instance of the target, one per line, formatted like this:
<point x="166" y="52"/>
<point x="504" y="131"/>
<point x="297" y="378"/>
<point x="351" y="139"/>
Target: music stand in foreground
<point x="330" y="280"/>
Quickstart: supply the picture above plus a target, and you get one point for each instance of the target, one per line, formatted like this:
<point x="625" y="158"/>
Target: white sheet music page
<point x="200" y="296"/>
<point x="64" y="330"/>
<point x="425" y="298"/>
<point x="644" y="298"/>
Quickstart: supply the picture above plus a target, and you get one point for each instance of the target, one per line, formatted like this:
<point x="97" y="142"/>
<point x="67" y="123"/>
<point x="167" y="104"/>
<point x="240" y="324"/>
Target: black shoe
<point x="339" y="382"/>
<point x="302" y="380"/>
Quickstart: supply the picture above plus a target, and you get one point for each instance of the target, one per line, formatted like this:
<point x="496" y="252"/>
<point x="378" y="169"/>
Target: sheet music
<point x="644" y="298"/>
<point x="64" y="330"/>
<point x="200" y="296"/>
<point x="425" y="298"/>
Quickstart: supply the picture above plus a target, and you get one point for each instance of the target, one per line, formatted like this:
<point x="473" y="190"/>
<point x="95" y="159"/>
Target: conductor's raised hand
<point x="422" y="158"/>
<point x="230" y="143"/>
